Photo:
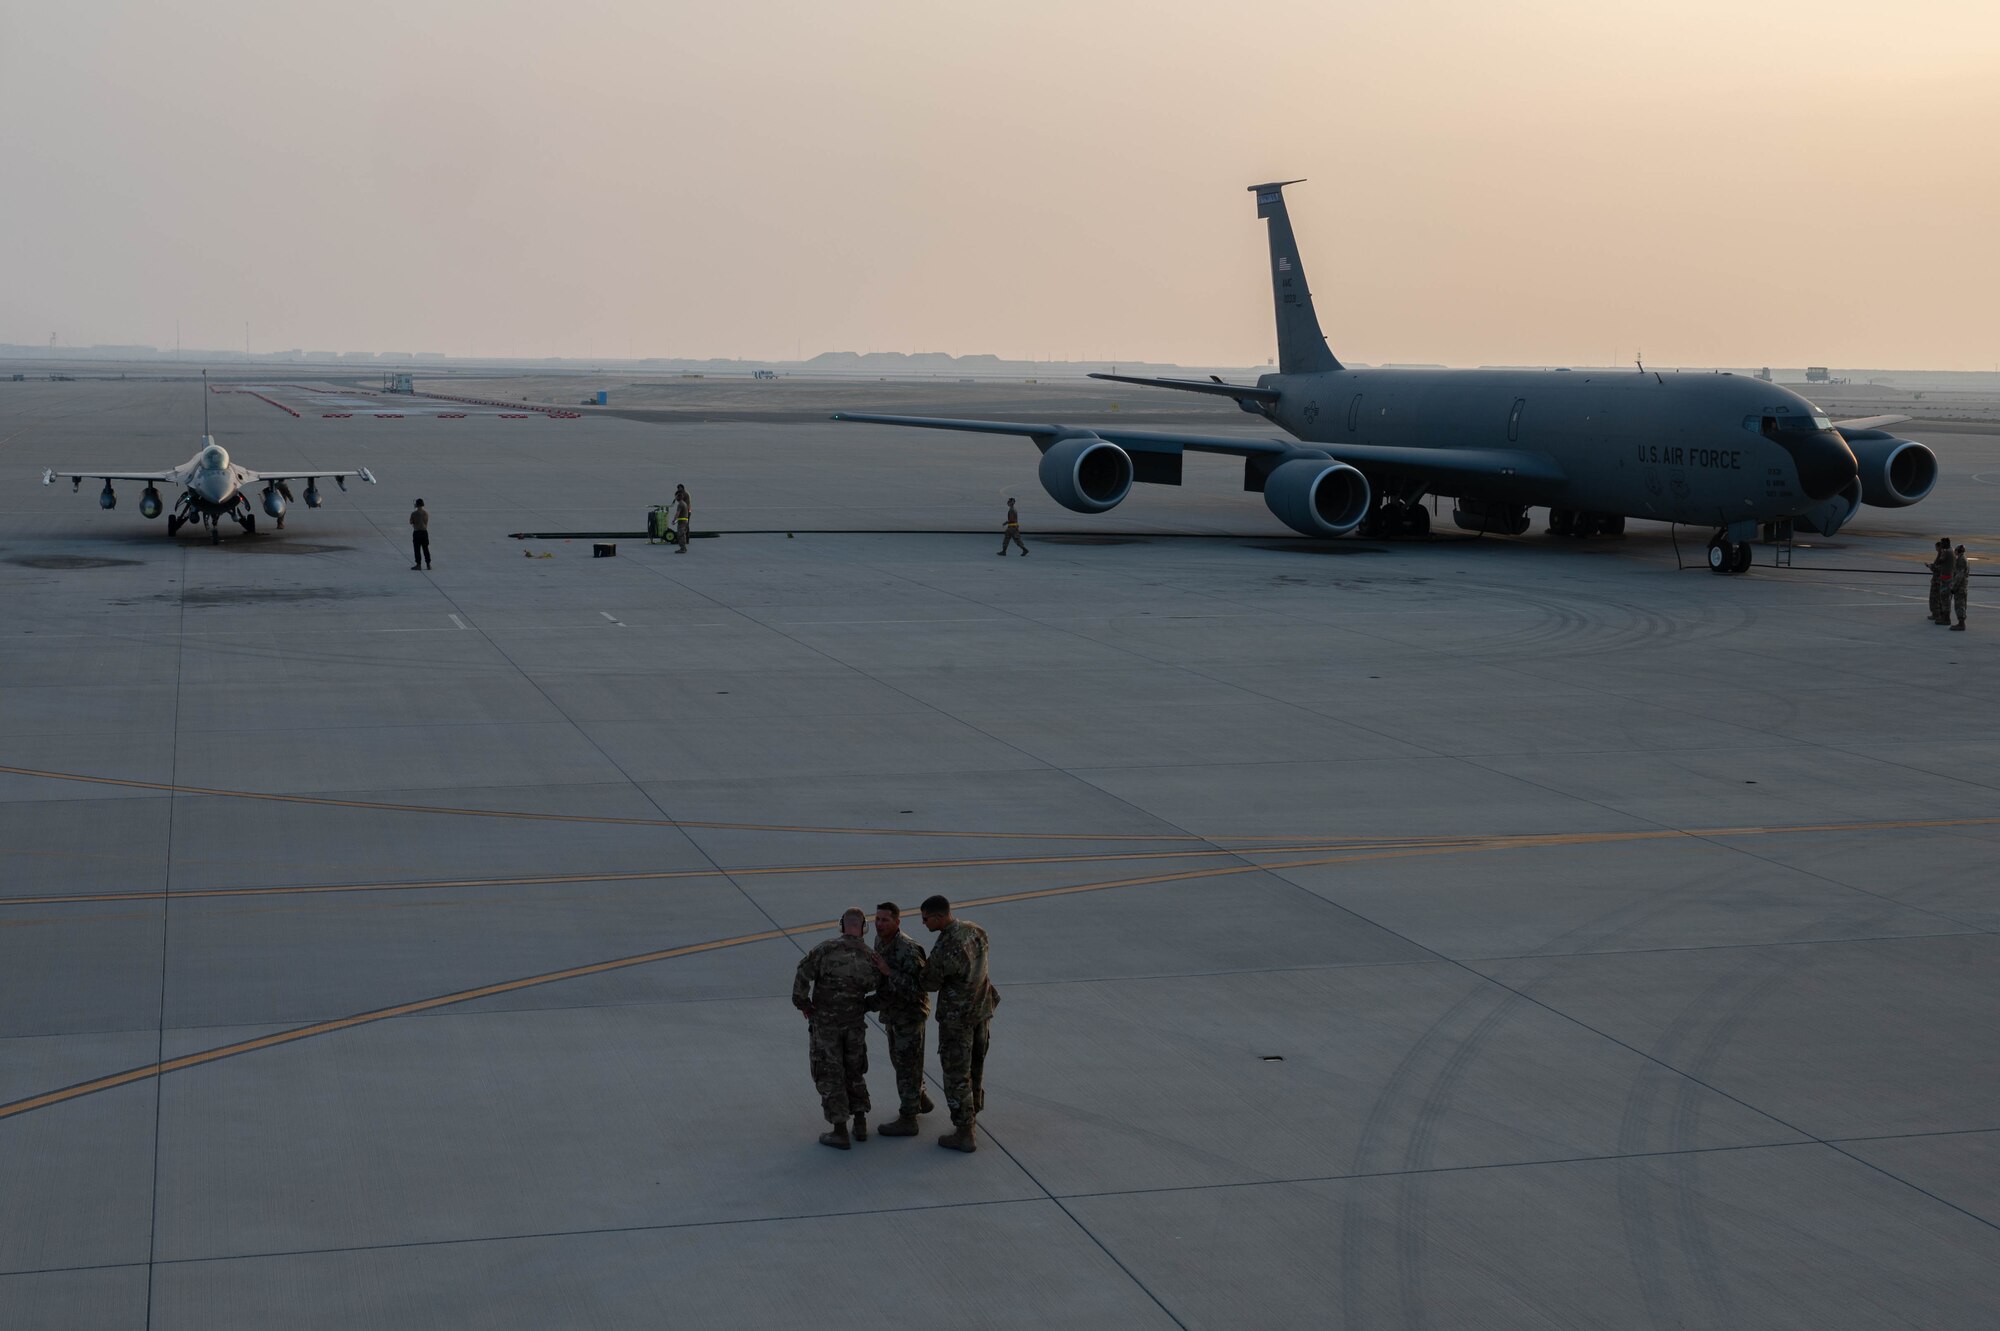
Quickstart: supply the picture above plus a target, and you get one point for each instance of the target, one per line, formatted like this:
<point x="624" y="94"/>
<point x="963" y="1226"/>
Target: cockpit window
<point x="1789" y="424"/>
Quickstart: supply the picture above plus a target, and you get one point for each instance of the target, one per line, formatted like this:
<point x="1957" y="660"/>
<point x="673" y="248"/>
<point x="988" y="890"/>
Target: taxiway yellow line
<point x="658" y="875"/>
<point x="147" y="1071"/>
<point x="150" y="1070"/>
<point x="1454" y="844"/>
<point x="706" y="824"/>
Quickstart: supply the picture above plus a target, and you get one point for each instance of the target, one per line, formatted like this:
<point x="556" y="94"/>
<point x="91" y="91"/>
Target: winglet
<point x="1302" y="347"/>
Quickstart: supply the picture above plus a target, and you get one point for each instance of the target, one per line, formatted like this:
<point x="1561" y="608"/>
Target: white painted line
<point x="461" y="623"/>
<point x="613" y="618"/>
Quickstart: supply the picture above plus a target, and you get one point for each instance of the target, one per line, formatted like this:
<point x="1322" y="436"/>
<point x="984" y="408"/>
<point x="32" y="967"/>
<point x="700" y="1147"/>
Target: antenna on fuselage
<point x="1639" y="359"/>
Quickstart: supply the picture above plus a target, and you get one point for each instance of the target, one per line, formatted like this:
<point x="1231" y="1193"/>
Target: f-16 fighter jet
<point x="212" y="488"/>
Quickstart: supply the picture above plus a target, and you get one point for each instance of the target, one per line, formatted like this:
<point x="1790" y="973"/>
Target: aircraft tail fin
<point x="1302" y="347"/>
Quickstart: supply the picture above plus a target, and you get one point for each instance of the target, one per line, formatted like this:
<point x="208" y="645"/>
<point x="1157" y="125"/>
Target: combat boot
<point x="860" y="1128"/>
<point x="836" y="1137"/>
<point x="926" y="1106"/>
<point x="904" y="1126"/>
<point x="961" y="1140"/>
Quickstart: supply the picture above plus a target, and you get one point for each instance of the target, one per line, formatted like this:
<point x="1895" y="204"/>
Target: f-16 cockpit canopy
<point x="214" y="457"/>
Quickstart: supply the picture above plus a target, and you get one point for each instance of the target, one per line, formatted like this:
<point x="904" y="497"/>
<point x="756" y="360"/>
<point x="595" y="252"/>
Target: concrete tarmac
<point x="1496" y="932"/>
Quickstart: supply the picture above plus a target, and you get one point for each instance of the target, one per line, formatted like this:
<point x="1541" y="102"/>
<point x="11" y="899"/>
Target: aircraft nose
<point x="1825" y="464"/>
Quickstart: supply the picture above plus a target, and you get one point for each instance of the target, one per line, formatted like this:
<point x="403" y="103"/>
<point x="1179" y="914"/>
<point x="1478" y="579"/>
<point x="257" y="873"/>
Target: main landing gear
<point x="1726" y="556"/>
<point x="1394" y="517"/>
<point x="1576" y="522"/>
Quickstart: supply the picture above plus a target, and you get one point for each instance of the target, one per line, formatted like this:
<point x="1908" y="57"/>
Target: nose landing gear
<point x="1726" y="556"/>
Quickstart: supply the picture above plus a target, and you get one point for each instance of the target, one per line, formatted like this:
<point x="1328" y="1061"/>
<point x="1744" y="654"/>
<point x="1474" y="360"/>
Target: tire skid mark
<point x="1714" y="1018"/>
<point x="1355" y="1228"/>
<point x="1412" y="1205"/>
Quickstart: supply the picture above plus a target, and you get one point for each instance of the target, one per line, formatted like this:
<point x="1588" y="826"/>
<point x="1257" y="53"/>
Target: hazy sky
<point x="1741" y="182"/>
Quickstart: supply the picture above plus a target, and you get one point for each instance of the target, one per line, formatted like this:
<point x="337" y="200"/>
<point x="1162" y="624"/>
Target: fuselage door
<point x="1514" y="420"/>
<point x="1354" y="413"/>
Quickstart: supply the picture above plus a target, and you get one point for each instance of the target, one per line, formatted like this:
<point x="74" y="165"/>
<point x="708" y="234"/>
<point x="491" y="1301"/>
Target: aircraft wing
<point x="1144" y="441"/>
<point x="253" y="477"/>
<point x="1243" y="393"/>
<point x="50" y="475"/>
<point x="1438" y="464"/>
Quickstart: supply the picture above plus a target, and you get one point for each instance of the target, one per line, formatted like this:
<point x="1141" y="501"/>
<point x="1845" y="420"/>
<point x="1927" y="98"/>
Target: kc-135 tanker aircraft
<point x="1722" y="451"/>
<point x="212" y="486"/>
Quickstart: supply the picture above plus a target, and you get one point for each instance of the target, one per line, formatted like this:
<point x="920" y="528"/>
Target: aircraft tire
<point x="1744" y="554"/>
<point x="173" y="524"/>
<point x="1613" y="524"/>
<point x="214" y="534"/>
<point x="1721" y="555"/>
<point x="1419" y="521"/>
<point x="1561" y="522"/>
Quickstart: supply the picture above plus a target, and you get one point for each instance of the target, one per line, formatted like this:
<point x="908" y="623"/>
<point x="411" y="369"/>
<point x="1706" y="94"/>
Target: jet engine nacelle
<point x="1318" y="496"/>
<point x="274" y="503"/>
<point x="1832" y="515"/>
<point x="149" y="503"/>
<point x="312" y="494"/>
<point x="109" y="498"/>
<point x="1895" y="473"/>
<point x="1086" y="474"/>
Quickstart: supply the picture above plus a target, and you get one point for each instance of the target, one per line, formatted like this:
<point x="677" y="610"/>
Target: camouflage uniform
<point x="1940" y="568"/>
<point x="836" y="981"/>
<point x="966" y="999"/>
<point x="903" y="1005"/>
<point x="1961" y="579"/>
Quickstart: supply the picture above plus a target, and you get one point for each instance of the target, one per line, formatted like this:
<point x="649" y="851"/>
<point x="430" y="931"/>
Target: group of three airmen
<point x="842" y="979"/>
<point x="1950" y="579"/>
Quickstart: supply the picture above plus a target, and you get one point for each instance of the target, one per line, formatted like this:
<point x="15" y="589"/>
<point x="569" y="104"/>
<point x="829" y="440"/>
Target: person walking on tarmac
<point x="1961" y="578"/>
<point x="1011" y="533"/>
<point x="420" y="535"/>
<point x="683" y="516"/>
<point x="1940" y="567"/>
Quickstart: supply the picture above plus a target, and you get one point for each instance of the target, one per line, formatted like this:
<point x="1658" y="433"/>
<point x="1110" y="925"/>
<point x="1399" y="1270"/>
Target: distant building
<point x="398" y="383"/>
<point x="1816" y="374"/>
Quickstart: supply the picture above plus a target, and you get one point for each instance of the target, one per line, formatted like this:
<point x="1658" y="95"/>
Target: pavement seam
<point x="166" y="917"/>
<point x="1289" y="1181"/>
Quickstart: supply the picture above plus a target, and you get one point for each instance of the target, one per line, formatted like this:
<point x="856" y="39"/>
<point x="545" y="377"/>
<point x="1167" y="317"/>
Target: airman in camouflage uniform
<point x="835" y="988"/>
<point x="1940" y="567"/>
<point x="1961" y="583"/>
<point x="903" y="1005"/>
<point x="966" y="999"/>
